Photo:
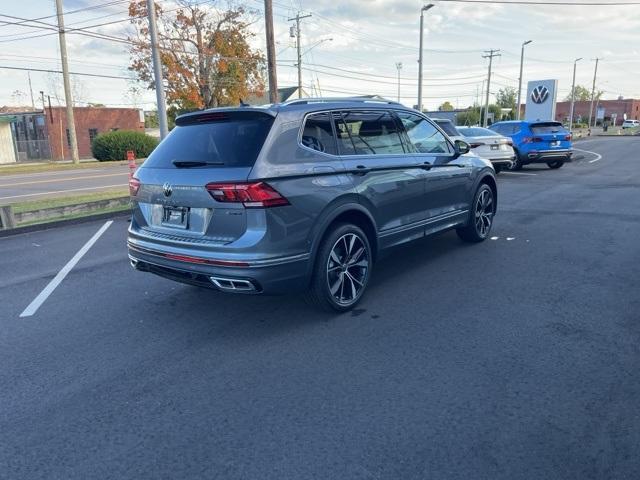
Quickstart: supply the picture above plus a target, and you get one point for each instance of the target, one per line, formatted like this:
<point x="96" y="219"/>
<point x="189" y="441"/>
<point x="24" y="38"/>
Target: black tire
<point x="481" y="213"/>
<point x="517" y="163"/>
<point x="555" y="165"/>
<point x="336" y="286"/>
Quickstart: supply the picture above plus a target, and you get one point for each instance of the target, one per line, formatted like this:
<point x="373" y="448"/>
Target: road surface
<point x="517" y="358"/>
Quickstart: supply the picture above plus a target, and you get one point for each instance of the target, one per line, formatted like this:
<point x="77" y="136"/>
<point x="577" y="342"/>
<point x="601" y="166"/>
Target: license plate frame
<point x="175" y="217"/>
<point x="495" y="147"/>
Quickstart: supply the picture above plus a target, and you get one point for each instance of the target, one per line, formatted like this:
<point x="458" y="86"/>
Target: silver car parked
<point x="490" y="145"/>
<point x="303" y="195"/>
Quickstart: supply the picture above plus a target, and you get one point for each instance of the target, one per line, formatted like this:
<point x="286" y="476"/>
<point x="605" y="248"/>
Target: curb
<point x="61" y="223"/>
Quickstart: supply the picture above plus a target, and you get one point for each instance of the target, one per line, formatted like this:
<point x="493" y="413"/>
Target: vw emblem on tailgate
<point x="539" y="94"/>
<point x="167" y="189"/>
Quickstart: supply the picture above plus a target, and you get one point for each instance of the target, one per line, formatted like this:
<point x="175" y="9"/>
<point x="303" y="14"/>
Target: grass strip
<point x="33" y="205"/>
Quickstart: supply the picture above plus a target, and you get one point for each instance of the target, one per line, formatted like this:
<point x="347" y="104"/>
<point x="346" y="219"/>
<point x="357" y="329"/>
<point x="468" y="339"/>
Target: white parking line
<point x="63" y="191"/>
<point x="517" y="173"/>
<point x="598" y="156"/>
<point x="48" y="290"/>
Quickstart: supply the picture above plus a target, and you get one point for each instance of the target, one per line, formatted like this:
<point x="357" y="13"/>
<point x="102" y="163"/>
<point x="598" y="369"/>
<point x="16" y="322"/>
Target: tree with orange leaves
<point x="205" y="53"/>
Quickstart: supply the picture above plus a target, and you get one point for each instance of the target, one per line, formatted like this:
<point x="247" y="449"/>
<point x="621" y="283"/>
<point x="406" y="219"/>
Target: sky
<point x="351" y="47"/>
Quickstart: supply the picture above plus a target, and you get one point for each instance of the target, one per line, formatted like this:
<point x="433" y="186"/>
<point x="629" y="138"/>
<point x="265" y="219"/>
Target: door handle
<point x="362" y="170"/>
<point x="426" y="166"/>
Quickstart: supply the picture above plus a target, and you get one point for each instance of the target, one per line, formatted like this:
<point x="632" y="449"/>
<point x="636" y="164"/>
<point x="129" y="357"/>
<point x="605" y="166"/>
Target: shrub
<point x="114" y="145"/>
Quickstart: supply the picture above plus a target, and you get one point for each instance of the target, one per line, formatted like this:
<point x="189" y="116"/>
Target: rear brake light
<point x="567" y="137"/>
<point x="134" y="186"/>
<point x="251" y="195"/>
<point x="476" y="144"/>
<point x="536" y="139"/>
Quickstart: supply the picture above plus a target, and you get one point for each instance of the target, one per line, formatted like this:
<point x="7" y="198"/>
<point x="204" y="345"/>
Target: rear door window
<point x="368" y="133"/>
<point x="317" y="134"/>
<point x="424" y="136"/>
<point x="217" y="139"/>
<point x="548" y="127"/>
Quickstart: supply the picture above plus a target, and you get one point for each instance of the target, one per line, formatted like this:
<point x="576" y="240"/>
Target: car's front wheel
<point x="480" y="217"/>
<point x="342" y="269"/>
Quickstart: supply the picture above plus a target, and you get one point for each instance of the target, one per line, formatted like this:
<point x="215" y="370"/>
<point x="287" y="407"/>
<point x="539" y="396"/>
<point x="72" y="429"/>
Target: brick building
<point x="617" y="107"/>
<point x="90" y="121"/>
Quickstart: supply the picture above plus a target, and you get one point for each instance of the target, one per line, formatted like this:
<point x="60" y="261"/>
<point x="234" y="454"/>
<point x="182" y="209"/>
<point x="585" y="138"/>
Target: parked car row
<point x="512" y="144"/>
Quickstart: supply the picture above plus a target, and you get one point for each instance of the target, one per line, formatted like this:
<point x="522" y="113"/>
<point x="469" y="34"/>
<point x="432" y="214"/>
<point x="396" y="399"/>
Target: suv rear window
<point x="448" y="127"/>
<point x="220" y="139"/>
<point x="548" y="127"/>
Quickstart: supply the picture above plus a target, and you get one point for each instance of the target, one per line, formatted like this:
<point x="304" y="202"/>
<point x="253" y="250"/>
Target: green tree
<point x="583" y="94"/>
<point x="507" y="97"/>
<point x="446" y="107"/>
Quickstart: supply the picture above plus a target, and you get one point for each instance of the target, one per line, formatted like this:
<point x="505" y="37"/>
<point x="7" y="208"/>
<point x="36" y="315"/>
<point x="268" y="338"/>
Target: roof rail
<point x="306" y="101"/>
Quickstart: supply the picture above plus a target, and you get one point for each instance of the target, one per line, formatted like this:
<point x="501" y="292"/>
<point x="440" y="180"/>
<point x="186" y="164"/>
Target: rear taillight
<point x="251" y="195"/>
<point x="476" y="144"/>
<point x="531" y="139"/>
<point x="510" y="143"/>
<point x="567" y="137"/>
<point x="134" y="186"/>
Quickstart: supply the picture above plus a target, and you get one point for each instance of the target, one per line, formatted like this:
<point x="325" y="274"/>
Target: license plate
<point x="555" y="144"/>
<point x="175" y="217"/>
<point x="495" y="147"/>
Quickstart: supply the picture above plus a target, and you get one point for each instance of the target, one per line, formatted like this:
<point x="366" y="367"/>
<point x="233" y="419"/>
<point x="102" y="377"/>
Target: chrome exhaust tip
<point x="233" y="284"/>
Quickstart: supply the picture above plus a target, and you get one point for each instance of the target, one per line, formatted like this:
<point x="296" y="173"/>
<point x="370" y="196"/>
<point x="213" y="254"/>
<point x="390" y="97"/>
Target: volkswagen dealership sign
<point x="541" y="100"/>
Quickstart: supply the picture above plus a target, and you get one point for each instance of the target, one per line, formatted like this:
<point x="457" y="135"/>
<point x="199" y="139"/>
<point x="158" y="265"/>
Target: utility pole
<point x="593" y="94"/>
<point x="489" y="54"/>
<point x="520" y="78"/>
<point x="157" y="69"/>
<point x="33" y="102"/>
<point x="420" y="55"/>
<point x="573" y="94"/>
<point x="399" y="67"/>
<point x="297" y="19"/>
<point x="68" y="98"/>
<point x="271" y="52"/>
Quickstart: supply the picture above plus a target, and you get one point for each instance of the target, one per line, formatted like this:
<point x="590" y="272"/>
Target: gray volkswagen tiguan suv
<point x="302" y="195"/>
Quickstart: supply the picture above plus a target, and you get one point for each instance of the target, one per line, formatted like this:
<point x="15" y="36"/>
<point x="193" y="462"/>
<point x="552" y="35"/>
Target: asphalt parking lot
<point x="517" y="358"/>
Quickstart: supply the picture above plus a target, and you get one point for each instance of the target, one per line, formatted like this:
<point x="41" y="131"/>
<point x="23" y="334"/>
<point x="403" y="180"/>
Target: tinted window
<point x="548" y="127"/>
<point x="476" y="132"/>
<point x="318" y="134"/>
<point x="227" y="139"/>
<point x="368" y="133"/>
<point x="448" y="127"/>
<point x="424" y="137"/>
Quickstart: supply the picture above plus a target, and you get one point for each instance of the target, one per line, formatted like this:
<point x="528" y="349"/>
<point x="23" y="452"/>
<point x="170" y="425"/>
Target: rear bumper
<point x="543" y="156"/>
<point x="268" y="276"/>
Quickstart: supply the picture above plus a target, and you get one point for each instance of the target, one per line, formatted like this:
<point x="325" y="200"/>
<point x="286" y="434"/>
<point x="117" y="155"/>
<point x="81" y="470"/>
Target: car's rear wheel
<point x="556" y="164"/>
<point x="342" y="269"/>
<point x="516" y="164"/>
<point x="480" y="221"/>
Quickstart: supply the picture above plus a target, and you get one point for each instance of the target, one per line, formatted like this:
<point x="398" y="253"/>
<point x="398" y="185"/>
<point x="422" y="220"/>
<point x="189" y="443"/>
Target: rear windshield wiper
<point x="194" y="163"/>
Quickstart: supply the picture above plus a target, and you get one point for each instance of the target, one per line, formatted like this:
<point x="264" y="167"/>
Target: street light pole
<point x="573" y="94"/>
<point x="520" y="78"/>
<point x="422" y="10"/>
<point x="399" y="67"/>
<point x="593" y="94"/>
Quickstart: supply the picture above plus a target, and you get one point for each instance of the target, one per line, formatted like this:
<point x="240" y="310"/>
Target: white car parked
<point x="631" y="124"/>
<point x="490" y="145"/>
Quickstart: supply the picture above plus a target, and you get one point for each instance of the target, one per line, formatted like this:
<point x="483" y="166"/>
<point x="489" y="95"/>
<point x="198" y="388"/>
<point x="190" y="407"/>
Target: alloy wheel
<point x="484" y="212"/>
<point x="347" y="268"/>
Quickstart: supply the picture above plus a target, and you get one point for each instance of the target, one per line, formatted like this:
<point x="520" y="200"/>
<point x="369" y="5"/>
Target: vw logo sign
<point x="539" y="94"/>
<point x="167" y="189"/>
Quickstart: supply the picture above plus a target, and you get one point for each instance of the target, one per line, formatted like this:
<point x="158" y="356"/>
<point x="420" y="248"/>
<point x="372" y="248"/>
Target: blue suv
<point x="537" y="142"/>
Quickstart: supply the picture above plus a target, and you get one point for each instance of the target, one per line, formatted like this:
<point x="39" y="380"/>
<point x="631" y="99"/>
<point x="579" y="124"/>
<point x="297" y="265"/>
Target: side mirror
<point x="461" y="147"/>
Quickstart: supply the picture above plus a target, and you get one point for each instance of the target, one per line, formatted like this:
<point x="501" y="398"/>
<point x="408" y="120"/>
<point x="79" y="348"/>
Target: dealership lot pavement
<point x="517" y="358"/>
